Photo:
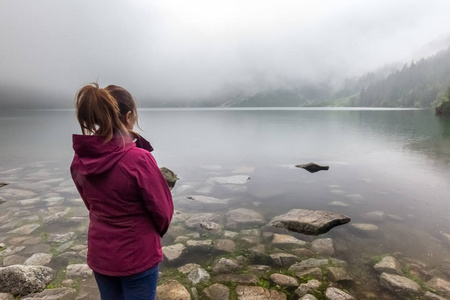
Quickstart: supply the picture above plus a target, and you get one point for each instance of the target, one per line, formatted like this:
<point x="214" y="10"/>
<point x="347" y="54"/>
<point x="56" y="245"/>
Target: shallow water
<point x="390" y="161"/>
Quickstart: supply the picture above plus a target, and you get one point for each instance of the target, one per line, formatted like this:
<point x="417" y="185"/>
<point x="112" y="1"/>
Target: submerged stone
<point x="312" y="222"/>
<point x="198" y="275"/>
<point x="399" y="284"/>
<point x="188" y="268"/>
<point x="365" y="227"/>
<point x="173" y="252"/>
<point x="338" y="274"/>
<point x="172" y="290"/>
<point x="283" y="259"/>
<point x="79" y="270"/>
<point x="25" y="229"/>
<point x="283" y="280"/>
<point x="53" y="294"/>
<point x="389" y="265"/>
<point x="243" y="216"/>
<point x="258" y="293"/>
<point x="308" y="264"/>
<point x="60" y="237"/>
<point x="323" y="246"/>
<point x="225" y="265"/>
<point x="38" y="259"/>
<point x="431" y="296"/>
<point x="440" y="285"/>
<point x="195" y="220"/>
<point x="285" y="240"/>
<point x="374" y="216"/>
<point x="217" y="291"/>
<point x="237" y="278"/>
<point x="333" y="293"/>
<point x="225" y="245"/>
<point x="309" y="287"/>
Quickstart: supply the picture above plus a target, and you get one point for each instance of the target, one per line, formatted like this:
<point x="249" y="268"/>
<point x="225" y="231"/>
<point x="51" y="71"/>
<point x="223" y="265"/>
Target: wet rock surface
<point x="312" y="222"/>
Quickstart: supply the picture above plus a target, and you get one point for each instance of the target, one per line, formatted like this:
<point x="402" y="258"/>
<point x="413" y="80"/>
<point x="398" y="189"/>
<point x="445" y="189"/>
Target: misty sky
<point x="184" y="50"/>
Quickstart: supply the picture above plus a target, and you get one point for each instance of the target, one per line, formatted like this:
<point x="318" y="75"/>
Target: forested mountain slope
<point x="416" y="85"/>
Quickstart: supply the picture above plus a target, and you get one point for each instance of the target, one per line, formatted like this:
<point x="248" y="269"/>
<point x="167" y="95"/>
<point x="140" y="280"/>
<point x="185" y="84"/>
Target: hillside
<point x="415" y="85"/>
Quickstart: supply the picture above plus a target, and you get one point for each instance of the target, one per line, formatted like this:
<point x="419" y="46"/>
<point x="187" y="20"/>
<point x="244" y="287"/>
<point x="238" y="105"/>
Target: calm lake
<point x="392" y="162"/>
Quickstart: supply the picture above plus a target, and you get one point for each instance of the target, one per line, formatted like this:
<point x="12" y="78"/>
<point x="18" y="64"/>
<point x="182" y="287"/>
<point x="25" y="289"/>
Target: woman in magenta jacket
<point x="129" y="202"/>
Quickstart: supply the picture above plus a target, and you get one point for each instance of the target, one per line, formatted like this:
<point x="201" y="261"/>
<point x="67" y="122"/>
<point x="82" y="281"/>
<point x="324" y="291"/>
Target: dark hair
<point x="124" y="100"/>
<point x="98" y="112"/>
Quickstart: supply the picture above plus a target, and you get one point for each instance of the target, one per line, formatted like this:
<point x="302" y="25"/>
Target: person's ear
<point x="129" y="119"/>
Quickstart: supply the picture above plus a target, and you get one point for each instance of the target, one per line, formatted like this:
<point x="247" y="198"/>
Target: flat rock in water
<point x="313" y="168"/>
<point x="312" y="222"/>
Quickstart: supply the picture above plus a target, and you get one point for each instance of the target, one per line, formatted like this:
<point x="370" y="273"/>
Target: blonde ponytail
<point x="98" y="112"/>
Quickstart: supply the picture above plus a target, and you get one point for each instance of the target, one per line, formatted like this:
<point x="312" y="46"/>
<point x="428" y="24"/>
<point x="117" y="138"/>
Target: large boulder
<point x="312" y="222"/>
<point x="23" y="280"/>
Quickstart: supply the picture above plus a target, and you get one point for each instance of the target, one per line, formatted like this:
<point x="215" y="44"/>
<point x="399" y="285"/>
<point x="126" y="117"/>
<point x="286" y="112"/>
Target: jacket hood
<point x="96" y="156"/>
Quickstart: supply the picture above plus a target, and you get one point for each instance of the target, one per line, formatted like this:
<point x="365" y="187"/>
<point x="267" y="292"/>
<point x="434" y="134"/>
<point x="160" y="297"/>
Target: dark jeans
<point x="141" y="286"/>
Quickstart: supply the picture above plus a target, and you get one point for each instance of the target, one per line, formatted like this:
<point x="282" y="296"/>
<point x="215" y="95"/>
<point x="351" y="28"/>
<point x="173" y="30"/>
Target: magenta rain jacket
<point x="129" y="202"/>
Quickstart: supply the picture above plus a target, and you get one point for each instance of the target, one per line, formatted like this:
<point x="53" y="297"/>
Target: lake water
<point x="392" y="161"/>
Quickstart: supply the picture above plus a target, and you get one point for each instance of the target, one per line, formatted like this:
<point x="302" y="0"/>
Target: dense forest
<point x="419" y="84"/>
<point x="416" y="85"/>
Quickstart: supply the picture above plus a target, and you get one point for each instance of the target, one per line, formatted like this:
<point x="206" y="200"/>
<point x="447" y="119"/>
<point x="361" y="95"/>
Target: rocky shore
<point x="215" y="248"/>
